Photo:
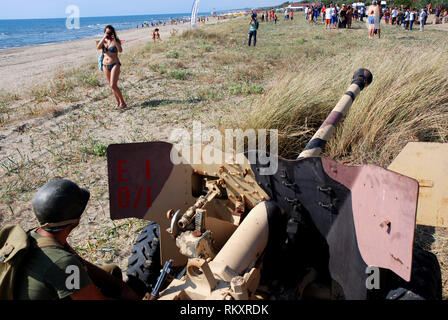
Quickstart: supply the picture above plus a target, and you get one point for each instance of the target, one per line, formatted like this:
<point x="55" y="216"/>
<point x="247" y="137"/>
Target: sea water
<point x="32" y="32"/>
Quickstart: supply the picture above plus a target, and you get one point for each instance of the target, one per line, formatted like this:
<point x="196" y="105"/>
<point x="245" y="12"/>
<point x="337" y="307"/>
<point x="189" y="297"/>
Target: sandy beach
<point x="23" y="68"/>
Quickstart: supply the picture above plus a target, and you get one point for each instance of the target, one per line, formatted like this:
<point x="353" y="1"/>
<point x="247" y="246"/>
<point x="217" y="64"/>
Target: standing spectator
<point x="349" y="17"/>
<point x="411" y="18"/>
<point x="400" y="18"/>
<point x="307" y="10"/>
<point x="355" y="14"/>
<point x="328" y="12"/>
<point x="292" y="15"/>
<point x="253" y="30"/>
<point x="334" y="16"/>
<point x="422" y="19"/>
<point x="378" y="15"/>
<point x="407" y="15"/>
<point x="311" y="15"/>
<point x="438" y="11"/>
<point x="323" y="14"/>
<point x="362" y="13"/>
<point x="371" y="22"/>
<point x="342" y="17"/>
<point x="316" y="14"/>
<point x="387" y="16"/>
<point x="377" y="11"/>
<point x="394" y="15"/>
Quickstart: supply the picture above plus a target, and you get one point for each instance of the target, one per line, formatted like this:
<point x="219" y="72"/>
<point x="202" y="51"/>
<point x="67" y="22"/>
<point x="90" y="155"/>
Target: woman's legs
<point x="115" y="74"/>
<point x="108" y="76"/>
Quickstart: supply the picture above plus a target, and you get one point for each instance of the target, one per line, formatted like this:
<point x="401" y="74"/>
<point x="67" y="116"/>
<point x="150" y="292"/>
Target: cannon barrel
<point x="361" y="79"/>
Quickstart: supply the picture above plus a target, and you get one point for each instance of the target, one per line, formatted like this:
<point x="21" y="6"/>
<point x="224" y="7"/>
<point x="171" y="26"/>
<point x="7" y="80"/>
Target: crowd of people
<point x="334" y="16"/>
<point x="406" y="17"/>
<point x="270" y="16"/>
<point x="170" y="22"/>
<point x="152" y="24"/>
<point x="441" y="16"/>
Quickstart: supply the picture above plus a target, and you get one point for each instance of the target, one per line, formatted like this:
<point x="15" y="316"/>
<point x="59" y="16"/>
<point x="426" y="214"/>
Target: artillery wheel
<point x="144" y="263"/>
<point x="426" y="279"/>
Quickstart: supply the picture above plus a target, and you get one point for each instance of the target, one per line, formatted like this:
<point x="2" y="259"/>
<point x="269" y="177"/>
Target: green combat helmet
<point x="59" y="203"/>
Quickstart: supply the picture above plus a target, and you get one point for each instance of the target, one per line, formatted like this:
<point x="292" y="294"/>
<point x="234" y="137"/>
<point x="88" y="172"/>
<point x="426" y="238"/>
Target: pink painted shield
<point x="384" y="208"/>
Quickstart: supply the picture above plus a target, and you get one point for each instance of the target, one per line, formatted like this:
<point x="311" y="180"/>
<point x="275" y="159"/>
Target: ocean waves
<point x="19" y="33"/>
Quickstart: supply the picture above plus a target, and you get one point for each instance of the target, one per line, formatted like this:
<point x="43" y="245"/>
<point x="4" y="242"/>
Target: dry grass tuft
<point x="204" y="35"/>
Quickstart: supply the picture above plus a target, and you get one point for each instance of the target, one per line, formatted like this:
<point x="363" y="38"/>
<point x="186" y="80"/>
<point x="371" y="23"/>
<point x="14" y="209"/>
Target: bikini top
<point x="111" y="49"/>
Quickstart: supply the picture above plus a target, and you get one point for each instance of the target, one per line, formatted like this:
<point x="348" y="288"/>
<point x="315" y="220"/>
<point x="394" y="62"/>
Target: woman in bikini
<point x="111" y="46"/>
<point x="156" y="35"/>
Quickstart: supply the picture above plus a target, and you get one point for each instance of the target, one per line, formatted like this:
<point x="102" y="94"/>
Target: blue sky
<point x="28" y="9"/>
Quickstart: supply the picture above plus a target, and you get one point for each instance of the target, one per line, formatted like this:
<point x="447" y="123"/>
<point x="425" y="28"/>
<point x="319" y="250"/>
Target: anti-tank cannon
<point x="336" y="229"/>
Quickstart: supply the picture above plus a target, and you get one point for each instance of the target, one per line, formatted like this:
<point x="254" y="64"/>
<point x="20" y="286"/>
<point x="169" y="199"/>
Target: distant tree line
<point x="284" y="4"/>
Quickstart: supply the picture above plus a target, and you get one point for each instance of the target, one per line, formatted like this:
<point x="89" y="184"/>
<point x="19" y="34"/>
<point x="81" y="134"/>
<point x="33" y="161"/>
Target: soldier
<point x="51" y="269"/>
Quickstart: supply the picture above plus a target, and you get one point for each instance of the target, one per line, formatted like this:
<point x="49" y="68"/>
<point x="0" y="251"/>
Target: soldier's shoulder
<point x="51" y="254"/>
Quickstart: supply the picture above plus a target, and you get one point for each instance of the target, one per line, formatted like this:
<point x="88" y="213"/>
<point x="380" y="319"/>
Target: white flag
<point x="194" y="13"/>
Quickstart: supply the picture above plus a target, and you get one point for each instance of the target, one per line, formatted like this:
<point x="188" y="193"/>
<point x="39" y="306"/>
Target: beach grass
<point x="289" y="82"/>
<point x="407" y="100"/>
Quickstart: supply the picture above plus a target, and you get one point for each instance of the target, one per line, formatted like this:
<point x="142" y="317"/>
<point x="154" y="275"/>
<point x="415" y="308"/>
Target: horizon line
<point x="125" y="15"/>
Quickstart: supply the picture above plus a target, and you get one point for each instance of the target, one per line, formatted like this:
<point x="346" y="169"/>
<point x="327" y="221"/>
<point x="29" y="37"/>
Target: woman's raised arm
<point x="101" y="43"/>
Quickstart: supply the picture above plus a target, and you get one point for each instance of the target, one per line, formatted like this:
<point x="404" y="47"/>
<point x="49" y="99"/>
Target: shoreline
<point x="22" y="68"/>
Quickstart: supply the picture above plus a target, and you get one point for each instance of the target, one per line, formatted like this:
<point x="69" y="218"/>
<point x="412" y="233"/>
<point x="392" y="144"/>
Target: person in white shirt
<point x="411" y="18"/>
<point x="406" y="19"/>
<point x="306" y="13"/>
<point x="394" y="16"/>
<point x="422" y="19"/>
<point x="334" y="16"/>
<point x="328" y="17"/>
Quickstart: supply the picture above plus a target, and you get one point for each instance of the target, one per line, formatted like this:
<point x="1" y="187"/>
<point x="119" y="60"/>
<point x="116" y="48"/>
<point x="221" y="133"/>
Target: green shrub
<point x="89" y="79"/>
<point x="158" y="68"/>
<point x="242" y="88"/>
<point x="172" y="55"/>
<point x="178" y="74"/>
<point x="95" y="148"/>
